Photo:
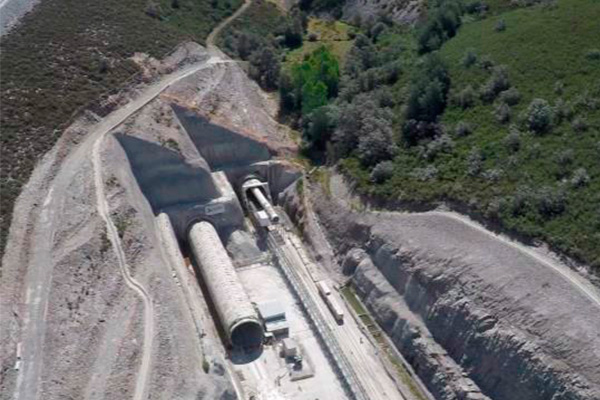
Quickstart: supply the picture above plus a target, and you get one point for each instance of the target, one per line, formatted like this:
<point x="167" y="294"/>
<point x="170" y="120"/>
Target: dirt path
<point x="113" y="236"/>
<point x="210" y="41"/>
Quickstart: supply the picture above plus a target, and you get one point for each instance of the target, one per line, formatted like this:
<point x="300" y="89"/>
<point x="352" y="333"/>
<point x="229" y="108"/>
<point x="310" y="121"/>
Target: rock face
<point x="474" y="315"/>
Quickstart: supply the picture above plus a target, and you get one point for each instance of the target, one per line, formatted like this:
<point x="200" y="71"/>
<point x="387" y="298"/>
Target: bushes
<point x="428" y="92"/>
<point x="382" y="172"/>
<point x="580" y="178"/>
<point x="466" y="97"/>
<point x="311" y="83"/>
<point x="497" y="83"/>
<point x="463" y="129"/>
<point x="502" y="113"/>
<point x="547" y="202"/>
<point x="511" y="96"/>
<point x="539" y="116"/>
<point x="513" y="140"/>
<point x="442" y="24"/>
<point x="375" y="144"/>
<point x="474" y="162"/>
<point x="441" y="144"/>
<point x="366" y="125"/>
<point x="265" y="67"/>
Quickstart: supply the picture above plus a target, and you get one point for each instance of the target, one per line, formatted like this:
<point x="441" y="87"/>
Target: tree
<point x="428" y="91"/>
<point x="267" y="66"/>
<point x="314" y="95"/>
<point x="319" y="125"/>
<point x="316" y="78"/>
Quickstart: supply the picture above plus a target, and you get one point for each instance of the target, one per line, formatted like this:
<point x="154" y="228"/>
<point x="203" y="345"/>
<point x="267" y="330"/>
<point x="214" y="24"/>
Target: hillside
<point x="532" y="168"/>
<point x="52" y="71"/>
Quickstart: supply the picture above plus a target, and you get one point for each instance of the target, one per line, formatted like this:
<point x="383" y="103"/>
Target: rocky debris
<point x="474" y="316"/>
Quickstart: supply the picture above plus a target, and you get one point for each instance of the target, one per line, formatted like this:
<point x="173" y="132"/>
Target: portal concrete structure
<point x="237" y="314"/>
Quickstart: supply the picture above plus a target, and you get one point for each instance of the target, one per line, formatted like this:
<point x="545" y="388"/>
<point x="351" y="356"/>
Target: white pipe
<point x="258" y="195"/>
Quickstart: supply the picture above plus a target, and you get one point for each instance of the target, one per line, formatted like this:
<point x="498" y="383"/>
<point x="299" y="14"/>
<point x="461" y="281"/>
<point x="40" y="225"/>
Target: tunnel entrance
<point x="247" y="334"/>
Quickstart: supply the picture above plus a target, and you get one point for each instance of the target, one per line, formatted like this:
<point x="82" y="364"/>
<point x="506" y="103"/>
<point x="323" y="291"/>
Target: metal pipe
<point x="264" y="203"/>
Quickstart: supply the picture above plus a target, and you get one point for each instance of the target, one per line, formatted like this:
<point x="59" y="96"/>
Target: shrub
<point x="425" y="174"/>
<point x="470" y="58"/>
<point x="265" y="67"/>
<point x="497" y="83"/>
<point x="492" y="175"/>
<point x="513" y="140"/>
<point x="539" y="116"/>
<point x="510" y="96"/>
<point x="579" y="124"/>
<point x="466" y="97"/>
<point x="593" y="54"/>
<point x="427" y="98"/>
<point x="319" y="125"/>
<point x="376" y="145"/>
<point x="463" y="129"/>
<point x="382" y="172"/>
<point x="550" y="201"/>
<point x="474" y="162"/>
<point x="438" y="145"/>
<point x="502" y="113"/>
<point x="442" y="24"/>
<point x="486" y="63"/>
<point x="562" y="110"/>
<point x="580" y="178"/>
<point x="500" y="26"/>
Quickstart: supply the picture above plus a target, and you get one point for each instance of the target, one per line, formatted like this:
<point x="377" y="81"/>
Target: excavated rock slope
<point x="468" y="310"/>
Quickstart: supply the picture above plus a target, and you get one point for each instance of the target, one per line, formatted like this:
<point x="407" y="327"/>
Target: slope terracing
<point x="475" y="314"/>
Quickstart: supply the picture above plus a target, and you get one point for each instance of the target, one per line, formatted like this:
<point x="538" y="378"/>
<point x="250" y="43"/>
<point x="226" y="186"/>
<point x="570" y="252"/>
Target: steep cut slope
<point x="516" y="322"/>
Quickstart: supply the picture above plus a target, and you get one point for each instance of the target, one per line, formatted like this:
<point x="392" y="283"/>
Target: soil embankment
<point x="474" y="314"/>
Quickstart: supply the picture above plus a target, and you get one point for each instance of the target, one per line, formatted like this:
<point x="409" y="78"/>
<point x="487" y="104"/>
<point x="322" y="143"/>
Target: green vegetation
<point x="516" y="138"/>
<point x="336" y="36"/>
<point x="69" y="55"/>
<point x="192" y="18"/>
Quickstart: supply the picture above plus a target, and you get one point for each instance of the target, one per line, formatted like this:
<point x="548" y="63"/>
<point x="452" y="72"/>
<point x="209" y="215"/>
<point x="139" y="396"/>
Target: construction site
<point x="188" y="200"/>
<point x="175" y="246"/>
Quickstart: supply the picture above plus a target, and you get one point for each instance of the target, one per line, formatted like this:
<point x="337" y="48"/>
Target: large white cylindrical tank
<point x="236" y="312"/>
